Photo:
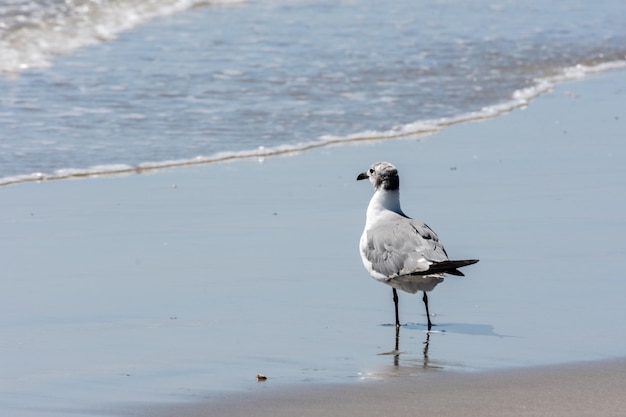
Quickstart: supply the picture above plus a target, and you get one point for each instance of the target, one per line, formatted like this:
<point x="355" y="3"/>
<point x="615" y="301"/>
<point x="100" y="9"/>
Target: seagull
<point x="397" y="250"/>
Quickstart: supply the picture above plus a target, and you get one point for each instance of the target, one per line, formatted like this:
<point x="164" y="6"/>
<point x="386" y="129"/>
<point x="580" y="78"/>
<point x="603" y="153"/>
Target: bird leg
<point x="425" y="299"/>
<point x="395" y="301"/>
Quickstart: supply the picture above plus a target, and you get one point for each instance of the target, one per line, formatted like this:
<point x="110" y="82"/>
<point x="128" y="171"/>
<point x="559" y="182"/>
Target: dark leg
<point x="427" y="312"/>
<point x="395" y="301"/>
<point x="396" y="355"/>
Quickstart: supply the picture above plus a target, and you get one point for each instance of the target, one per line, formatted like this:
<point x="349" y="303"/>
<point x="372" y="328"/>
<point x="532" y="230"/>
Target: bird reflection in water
<point x="396" y="350"/>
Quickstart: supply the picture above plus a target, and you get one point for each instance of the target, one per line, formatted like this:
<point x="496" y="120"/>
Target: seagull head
<point x="382" y="175"/>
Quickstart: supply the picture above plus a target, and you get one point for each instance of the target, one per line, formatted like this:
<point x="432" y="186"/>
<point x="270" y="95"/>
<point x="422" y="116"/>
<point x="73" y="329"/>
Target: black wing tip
<point x="460" y="264"/>
<point x="447" y="267"/>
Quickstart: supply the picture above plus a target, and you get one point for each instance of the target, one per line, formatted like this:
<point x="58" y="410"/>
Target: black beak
<point x="362" y="176"/>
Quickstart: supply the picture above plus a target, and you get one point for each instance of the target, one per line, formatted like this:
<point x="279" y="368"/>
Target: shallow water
<point x="113" y="86"/>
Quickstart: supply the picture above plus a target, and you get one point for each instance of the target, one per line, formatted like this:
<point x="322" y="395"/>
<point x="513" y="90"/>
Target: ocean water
<point x="92" y="87"/>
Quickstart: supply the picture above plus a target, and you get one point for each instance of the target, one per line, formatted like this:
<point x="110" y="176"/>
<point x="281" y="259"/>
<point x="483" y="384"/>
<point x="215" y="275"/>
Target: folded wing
<point x="405" y="246"/>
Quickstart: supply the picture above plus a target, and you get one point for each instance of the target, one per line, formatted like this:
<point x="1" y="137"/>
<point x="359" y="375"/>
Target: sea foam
<point x="519" y="99"/>
<point x="33" y="33"/>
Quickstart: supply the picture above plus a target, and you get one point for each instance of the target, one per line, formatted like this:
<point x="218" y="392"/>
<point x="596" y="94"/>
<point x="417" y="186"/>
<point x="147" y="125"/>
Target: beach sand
<point x="166" y="293"/>
<point x="590" y="389"/>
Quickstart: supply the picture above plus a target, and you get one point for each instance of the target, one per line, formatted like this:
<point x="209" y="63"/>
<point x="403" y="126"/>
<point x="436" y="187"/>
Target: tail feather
<point x="447" y="267"/>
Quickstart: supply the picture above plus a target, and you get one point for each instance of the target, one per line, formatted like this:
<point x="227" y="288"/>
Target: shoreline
<point x="578" y="389"/>
<point x="519" y="100"/>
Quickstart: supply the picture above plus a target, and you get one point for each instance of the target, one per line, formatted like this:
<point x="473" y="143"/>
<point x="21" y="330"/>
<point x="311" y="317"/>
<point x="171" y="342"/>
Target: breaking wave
<point x="34" y="32"/>
<point x="519" y="99"/>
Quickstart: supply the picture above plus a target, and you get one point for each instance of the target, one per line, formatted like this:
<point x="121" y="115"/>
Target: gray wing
<point x="402" y="246"/>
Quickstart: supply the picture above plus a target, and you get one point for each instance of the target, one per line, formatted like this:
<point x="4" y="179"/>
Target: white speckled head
<point x="382" y="175"/>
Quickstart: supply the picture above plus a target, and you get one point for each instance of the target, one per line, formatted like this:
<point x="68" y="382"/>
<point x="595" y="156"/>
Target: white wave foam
<point x="34" y="33"/>
<point x="519" y="99"/>
<point x="98" y="170"/>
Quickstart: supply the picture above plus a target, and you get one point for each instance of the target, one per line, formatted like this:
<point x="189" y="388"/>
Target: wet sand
<point x="589" y="389"/>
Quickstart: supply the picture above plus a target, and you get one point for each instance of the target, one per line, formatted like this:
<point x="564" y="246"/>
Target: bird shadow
<point x="471" y="329"/>
<point x="444" y="328"/>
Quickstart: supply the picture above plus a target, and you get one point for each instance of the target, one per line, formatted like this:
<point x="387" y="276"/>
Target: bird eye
<point x="371" y="170"/>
